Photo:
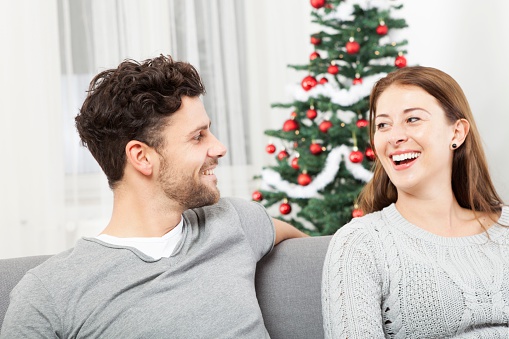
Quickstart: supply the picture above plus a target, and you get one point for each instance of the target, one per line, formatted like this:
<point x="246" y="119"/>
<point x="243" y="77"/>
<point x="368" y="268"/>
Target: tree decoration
<point x="314" y="56"/>
<point x="352" y="46"/>
<point x="315" y="40"/>
<point x="324" y="126"/>
<point x="290" y="125"/>
<point x="295" y="162"/>
<point x="304" y="179"/>
<point x="308" y="82"/>
<point x="282" y="155"/>
<point x="333" y="69"/>
<point x="357" y="80"/>
<point x="323" y="81"/>
<point x="318" y="3"/>
<point x="311" y="113"/>
<point x="356" y="213"/>
<point x="356" y="156"/>
<point x="315" y="148"/>
<point x="370" y="154"/>
<point x="382" y="29"/>
<point x="257" y="196"/>
<point x="400" y="61"/>
<point x="361" y="123"/>
<point x="285" y="208"/>
<point x="270" y="148"/>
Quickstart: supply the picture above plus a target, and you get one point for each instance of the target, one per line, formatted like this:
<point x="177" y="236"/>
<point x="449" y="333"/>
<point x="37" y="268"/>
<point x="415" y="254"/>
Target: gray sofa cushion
<point x="287" y="284"/>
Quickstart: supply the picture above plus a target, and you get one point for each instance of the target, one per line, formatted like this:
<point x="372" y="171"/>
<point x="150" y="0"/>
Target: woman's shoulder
<point x="360" y="232"/>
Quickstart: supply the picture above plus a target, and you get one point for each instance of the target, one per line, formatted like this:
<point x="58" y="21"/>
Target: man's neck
<point x="139" y="216"/>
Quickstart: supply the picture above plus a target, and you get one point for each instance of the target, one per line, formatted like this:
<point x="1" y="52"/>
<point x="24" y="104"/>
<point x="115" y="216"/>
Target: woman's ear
<point x="461" y="129"/>
<point x="140" y="156"/>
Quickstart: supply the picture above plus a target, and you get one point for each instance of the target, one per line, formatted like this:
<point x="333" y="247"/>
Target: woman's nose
<point x="397" y="136"/>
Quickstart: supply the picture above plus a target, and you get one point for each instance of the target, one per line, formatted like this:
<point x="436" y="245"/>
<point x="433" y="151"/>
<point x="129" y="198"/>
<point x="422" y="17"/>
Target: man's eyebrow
<point x="200" y="128"/>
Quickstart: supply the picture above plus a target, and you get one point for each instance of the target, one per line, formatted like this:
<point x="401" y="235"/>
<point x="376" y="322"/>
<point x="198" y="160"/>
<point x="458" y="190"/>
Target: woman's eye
<point x="381" y="125"/>
<point x="413" y="119"/>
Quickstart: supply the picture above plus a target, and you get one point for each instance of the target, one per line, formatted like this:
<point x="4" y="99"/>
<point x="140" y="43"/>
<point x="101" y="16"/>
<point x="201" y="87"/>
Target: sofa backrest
<point x="287" y="285"/>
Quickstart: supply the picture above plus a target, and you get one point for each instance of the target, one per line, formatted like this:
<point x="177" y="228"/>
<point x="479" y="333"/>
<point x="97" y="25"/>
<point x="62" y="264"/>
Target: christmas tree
<point x="322" y="153"/>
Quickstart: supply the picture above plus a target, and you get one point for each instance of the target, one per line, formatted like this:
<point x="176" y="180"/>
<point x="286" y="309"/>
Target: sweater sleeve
<point x="31" y="312"/>
<point x="352" y="286"/>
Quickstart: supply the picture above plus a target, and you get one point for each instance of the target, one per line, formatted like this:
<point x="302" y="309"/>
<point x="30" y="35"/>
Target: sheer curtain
<point x="98" y="34"/>
<point x="57" y="192"/>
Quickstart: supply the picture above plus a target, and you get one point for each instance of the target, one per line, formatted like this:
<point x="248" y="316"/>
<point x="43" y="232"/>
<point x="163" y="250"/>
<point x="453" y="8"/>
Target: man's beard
<point x="185" y="189"/>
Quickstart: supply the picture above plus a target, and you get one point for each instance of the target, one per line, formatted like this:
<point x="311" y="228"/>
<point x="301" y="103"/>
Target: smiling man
<point x="175" y="260"/>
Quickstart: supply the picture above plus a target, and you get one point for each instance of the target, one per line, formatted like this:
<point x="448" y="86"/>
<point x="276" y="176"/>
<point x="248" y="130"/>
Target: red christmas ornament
<point x="285" y="208"/>
<point x="333" y="69"/>
<point x="314" y="56"/>
<point x="357" y="212"/>
<point x="356" y="156"/>
<point x="352" y="47"/>
<point x="361" y="123"/>
<point x="293" y="115"/>
<point x="283" y="155"/>
<point x="257" y="196"/>
<point x="308" y="83"/>
<point x="311" y="113"/>
<point x="290" y="125"/>
<point x="324" y="126"/>
<point x="357" y="81"/>
<point x="315" y="40"/>
<point x="270" y="148"/>
<point x="370" y="154"/>
<point x="304" y="179"/>
<point x="400" y="61"/>
<point x="382" y="29"/>
<point x="323" y="81"/>
<point x="317" y="3"/>
<point x="316" y="149"/>
<point x="295" y="163"/>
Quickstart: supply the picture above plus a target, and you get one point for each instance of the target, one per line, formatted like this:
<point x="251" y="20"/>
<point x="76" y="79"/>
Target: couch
<point x="287" y="284"/>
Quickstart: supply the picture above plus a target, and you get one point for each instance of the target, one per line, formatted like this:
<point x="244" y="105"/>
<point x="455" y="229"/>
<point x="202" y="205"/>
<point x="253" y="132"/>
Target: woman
<point x="430" y="259"/>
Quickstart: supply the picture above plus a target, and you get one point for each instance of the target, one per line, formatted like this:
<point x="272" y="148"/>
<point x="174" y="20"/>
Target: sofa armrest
<point x="288" y="286"/>
<point x="11" y="272"/>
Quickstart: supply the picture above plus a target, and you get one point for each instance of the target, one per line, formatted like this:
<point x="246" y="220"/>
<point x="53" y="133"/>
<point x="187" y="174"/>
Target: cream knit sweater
<point x="384" y="277"/>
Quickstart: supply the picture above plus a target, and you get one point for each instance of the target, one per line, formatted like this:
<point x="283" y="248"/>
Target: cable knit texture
<point x="384" y="277"/>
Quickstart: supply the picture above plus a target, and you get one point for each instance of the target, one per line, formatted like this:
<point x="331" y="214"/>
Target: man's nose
<point x="218" y="149"/>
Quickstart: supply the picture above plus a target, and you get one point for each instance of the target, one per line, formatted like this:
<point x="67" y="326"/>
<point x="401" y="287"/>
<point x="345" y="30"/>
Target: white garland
<point x="272" y="179"/>
<point x="343" y="97"/>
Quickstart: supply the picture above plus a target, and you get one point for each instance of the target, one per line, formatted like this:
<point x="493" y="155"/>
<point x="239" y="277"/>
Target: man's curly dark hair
<point x="133" y="102"/>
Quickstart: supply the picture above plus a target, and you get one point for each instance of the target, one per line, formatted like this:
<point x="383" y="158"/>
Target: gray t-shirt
<point x="205" y="289"/>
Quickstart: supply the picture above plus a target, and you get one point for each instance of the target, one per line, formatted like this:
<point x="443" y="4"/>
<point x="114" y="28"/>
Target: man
<point x="175" y="261"/>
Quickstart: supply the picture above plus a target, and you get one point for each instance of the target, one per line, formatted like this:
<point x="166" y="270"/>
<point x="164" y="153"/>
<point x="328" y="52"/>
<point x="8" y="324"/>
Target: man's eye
<point x="198" y="137"/>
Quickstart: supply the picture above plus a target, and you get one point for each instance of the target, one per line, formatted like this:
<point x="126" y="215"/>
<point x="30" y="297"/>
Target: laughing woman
<point x="430" y="259"/>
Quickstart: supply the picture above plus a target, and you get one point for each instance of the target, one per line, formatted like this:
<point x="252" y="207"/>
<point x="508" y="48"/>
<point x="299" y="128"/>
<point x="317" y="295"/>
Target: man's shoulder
<point x="64" y="265"/>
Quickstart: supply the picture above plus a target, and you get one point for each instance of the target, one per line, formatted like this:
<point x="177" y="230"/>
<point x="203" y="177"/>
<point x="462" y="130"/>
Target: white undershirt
<point x="155" y="247"/>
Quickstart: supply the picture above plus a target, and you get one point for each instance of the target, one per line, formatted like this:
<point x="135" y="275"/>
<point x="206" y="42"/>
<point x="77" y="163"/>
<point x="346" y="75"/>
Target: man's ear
<point x="140" y="156"/>
<point x="461" y="129"/>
